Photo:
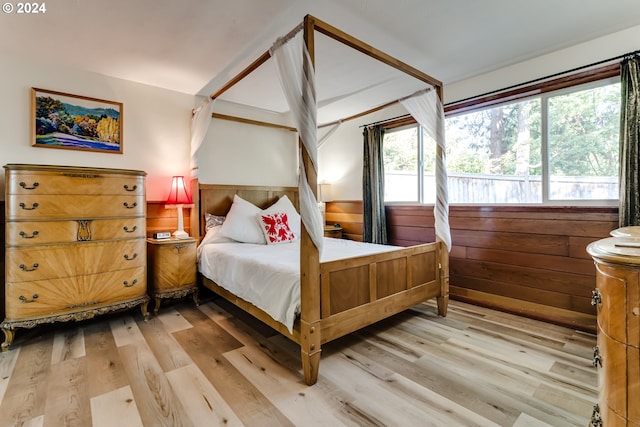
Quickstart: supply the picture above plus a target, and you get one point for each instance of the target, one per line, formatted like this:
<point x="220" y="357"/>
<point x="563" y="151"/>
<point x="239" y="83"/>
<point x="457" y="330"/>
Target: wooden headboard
<point x="217" y="199"/>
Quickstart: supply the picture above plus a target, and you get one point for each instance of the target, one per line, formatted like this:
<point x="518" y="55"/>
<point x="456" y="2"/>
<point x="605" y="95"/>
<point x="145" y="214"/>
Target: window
<point x="557" y="147"/>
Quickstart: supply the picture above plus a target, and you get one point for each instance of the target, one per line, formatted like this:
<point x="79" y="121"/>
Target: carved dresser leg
<point x="156" y="305"/>
<point x="144" y="308"/>
<point x="9" y="334"/>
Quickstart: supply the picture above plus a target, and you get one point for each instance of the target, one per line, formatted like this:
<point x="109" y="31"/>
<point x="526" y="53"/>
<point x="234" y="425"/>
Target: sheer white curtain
<point x="426" y="108"/>
<point x="199" y="126"/>
<point x="298" y="83"/>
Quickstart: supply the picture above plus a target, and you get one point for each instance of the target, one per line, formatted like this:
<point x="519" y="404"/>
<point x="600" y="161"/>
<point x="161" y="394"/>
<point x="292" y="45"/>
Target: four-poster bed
<point x="339" y="296"/>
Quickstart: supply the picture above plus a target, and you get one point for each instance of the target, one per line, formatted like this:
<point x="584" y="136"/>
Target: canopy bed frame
<point x="337" y="297"/>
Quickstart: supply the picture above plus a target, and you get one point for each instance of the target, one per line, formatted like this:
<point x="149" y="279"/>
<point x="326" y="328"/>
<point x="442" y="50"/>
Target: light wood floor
<point x="211" y="365"/>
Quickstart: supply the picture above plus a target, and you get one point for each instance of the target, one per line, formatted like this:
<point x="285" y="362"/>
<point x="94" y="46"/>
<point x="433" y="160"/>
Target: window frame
<point x="545" y="89"/>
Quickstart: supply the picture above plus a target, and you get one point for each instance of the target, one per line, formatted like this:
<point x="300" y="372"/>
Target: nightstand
<point x="334" y="231"/>
<point x="171" y="265"/>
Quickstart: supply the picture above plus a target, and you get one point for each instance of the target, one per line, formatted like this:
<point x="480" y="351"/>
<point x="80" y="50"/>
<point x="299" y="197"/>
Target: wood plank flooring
<point x="213" y="365"/>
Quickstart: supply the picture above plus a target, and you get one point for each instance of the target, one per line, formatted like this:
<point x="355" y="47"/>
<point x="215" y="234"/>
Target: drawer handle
<point x="128" y="258"/>
<point x="596" y="297"/>
<point x="33" y="187"/>
<point x="596" y="419"/>
<point x="127" y="188"/>
<point x="83" y="304"/>
<point x="126" y="205"/>
<point x="180" y="247"/>
<point x="135" y="227"/>
<point x="26" y="301"/>
<point x="128" y="285"/>
<point x="82" y="175"/>
<point x="24" y="235"/>
<point x="84" y="232"/>
<point x="597" y="358"/>
<point x="33" y="206"/>
<point x="32" y="268"/>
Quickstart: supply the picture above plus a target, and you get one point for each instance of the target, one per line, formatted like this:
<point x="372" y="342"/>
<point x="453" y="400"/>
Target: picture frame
<point x="74" y="122"/>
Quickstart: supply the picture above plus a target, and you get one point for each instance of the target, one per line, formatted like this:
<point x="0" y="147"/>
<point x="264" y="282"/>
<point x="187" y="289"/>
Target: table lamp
<point x="179" y="197"/>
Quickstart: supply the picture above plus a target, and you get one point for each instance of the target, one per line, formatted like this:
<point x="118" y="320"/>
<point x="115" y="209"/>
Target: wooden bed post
<point x="313" y="328"/>
<point x="443" y="299"/>
<point x="194" y="218"/>
<point x="310" y="334"/>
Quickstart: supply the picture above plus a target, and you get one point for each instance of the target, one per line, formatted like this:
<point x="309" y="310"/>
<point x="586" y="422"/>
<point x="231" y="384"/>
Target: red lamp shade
<point x="178" y="194"/>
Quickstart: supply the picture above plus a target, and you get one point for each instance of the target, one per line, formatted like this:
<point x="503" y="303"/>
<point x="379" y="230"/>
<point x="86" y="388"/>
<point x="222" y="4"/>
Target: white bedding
<point x="268" y="276"/>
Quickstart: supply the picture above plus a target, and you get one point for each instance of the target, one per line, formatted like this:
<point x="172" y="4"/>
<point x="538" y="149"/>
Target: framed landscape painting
<point x="61" y="120"/>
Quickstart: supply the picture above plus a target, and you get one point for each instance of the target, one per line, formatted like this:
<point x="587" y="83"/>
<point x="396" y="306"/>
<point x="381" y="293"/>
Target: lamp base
<point x="180" y="234"/>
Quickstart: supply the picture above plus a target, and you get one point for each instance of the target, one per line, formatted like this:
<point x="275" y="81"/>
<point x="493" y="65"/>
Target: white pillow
<point x="284" y="205"/>
<point x="241" y="222"/>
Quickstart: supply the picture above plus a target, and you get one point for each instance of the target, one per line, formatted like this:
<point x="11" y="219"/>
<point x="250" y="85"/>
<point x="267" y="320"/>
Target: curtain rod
<point x="385" y="120"/>
<point x="550" y="76"/>
<point x="504" y="89"/>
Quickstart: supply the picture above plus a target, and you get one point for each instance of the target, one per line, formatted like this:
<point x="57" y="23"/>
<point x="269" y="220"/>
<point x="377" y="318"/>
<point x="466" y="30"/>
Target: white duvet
<point x="268" y="276"/>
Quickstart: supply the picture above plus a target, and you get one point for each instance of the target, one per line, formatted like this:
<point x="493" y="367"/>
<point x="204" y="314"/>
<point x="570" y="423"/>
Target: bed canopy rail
<point x="340" y="36"/>
<point x="310" y="325"/>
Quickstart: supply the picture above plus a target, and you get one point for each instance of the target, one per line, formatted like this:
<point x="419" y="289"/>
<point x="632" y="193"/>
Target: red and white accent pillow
<point x="276" y="228"/>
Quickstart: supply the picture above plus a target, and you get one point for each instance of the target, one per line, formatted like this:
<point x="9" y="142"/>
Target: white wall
<point x="156" y="122"/>
<point x="580" y="55"/>
<point x="238" y="153"/>
<point x="340" y="157"/>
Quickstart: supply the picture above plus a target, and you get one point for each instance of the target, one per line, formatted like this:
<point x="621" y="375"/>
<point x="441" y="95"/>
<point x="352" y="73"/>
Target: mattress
<point x="268" y="276"/>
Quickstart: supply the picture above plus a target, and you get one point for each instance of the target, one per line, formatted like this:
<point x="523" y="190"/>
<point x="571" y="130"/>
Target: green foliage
<point x="583" y="136"/>
<point x="45" y="106"/>
<point x="583" y="132"/>
<point x="401" y="150"/>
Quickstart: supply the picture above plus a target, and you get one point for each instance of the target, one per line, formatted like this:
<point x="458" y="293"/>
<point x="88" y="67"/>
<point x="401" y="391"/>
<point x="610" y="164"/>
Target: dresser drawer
<point x="57" y="296"/>
<point x="612" y="308"/>
<point x="612" y="376"/>
<point x="57" y="261"/>
<point x="47" y="207"/>
<point x="633" y="384"/>
<point x="612" y="419"/>
<point x="29" y="233"/>
<point x="77" y="182"/>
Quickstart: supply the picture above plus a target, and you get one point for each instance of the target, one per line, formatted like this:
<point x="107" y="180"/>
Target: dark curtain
<point x="629" y="211"/>
<point x="375" y="222"/>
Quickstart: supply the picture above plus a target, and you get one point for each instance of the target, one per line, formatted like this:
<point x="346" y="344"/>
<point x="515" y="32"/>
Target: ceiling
<point x="196" y="46"/>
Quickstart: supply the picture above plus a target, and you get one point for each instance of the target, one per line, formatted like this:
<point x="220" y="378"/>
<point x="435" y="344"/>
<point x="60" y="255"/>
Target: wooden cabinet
<point x="74" y="244"/>
<point x="617" y="355"/>
<point x="172" y="269"/>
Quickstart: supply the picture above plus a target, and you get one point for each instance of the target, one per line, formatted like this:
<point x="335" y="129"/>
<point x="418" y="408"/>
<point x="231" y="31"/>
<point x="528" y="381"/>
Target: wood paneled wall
<point x="160" y="218"/>
<point x="526" y="260"/>
<point x="349" y="215"/>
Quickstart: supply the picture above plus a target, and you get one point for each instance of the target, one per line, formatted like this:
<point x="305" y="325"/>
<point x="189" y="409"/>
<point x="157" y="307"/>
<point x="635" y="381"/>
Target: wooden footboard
<point x="345" y="295"/>
<point x="357" y="292"/>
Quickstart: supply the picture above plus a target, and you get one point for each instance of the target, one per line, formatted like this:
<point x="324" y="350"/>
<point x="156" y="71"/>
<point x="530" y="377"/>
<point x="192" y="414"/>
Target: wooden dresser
<point x="617" y="355"/>
<point x="75" y="244"/>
